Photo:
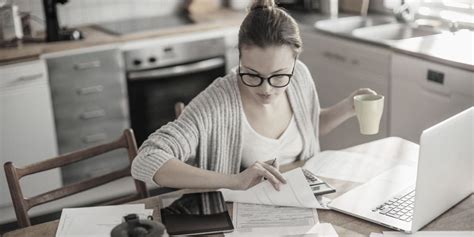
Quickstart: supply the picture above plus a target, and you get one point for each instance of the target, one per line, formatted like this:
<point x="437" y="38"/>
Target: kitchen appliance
<point x="53" y="31"/>
<point x="131" y="26"/>
<point x="430" y="90"/>
<point x="10" y="23"/>
<point x="166" y="72"/>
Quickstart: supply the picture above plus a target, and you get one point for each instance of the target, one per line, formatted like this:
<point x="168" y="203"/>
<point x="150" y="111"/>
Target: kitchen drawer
<point x="80" y="70"/>
<point x="89" y="115"/>
<point x="22" y="74"/>
<point x="73" y="139"/>
<point x="351" y="55"/>
<point x="92" y="94"/>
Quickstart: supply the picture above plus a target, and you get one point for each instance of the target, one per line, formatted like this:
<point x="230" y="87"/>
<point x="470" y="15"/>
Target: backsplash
<point x="85" y="12"/>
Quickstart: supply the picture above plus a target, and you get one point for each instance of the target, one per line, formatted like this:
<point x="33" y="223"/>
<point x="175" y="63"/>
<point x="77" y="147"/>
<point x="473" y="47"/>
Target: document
<point x="295" y="193"/>
<point x="99" y="220"/>
<point x="351" y="166"/>
<point x="265" y="220"/>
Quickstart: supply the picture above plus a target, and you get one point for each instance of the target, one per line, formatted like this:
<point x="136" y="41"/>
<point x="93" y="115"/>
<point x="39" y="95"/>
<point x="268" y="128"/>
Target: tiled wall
<point x="83" y="12"/>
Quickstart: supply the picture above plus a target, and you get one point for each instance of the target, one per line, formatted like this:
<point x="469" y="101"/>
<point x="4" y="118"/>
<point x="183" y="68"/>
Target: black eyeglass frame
<point x="268" y="78"/>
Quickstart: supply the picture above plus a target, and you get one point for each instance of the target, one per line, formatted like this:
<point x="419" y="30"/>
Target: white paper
<point x="99" y="220"/>
<point x="351" y="166"/>
<point x="265" y="220"/>
<point x="430" y="234"/>
<point x="295" y="193"/>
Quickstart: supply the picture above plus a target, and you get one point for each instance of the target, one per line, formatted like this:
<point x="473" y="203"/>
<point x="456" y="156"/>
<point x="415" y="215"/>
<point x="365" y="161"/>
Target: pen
<point x="273" y="162"/>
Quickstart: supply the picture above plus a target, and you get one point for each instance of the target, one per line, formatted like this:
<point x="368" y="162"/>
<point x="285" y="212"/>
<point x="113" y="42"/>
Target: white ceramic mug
<point x="369" y="110"/>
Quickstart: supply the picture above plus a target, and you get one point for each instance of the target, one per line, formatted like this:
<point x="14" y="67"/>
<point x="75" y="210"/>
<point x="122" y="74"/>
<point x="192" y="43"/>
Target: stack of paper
<point x="425" y="234"/>
<point x="265" y="220"/>
<point x="96" y="221"/>
<point x="290" y="211"/>
<point x="295" y="193"/>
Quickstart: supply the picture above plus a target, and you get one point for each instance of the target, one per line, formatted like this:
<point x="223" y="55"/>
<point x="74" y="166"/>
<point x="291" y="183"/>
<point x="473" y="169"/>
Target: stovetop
<point x="131" y="26"/>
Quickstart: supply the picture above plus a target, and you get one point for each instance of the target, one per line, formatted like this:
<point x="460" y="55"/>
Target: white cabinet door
<point x="426" y="93"/>
<point x="27" y="133"/>
<point x="339" y="67"/>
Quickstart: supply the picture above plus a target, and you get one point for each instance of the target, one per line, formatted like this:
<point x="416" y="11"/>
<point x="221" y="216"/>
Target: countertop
<point x="29" y="51"/>
<point x="452" y="49"/>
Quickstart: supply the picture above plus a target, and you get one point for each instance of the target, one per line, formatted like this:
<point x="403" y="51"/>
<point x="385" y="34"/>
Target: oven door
<point x="153" y="93"/>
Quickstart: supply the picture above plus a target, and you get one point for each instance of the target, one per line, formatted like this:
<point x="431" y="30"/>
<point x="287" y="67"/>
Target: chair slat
<point x="71" y="189"/>
<point x="69" y="158"/>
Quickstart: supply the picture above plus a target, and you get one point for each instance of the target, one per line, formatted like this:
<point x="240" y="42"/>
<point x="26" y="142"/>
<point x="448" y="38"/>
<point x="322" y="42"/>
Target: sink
<point x="390" y="32"/>
<point x="348" y="24"/>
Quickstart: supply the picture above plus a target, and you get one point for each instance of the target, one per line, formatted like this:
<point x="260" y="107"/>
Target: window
<point x="461" y="11"/>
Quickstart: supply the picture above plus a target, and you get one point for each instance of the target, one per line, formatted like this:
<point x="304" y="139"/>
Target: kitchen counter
<point x="93" y="37"/>
<point x="451" y="49"/>
<point x="454" y="50"/>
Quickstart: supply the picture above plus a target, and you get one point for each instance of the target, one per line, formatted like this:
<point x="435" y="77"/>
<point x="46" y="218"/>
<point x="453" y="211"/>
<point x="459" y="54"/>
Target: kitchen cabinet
<point x="424" y="93"/>
<point x="90" y="102"/>
<point x="339" y="67"/>
<point x="27" y="132"/>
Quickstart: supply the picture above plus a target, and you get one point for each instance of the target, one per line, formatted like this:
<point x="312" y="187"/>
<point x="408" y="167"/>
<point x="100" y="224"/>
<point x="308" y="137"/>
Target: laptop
<point x="407" y="198"/>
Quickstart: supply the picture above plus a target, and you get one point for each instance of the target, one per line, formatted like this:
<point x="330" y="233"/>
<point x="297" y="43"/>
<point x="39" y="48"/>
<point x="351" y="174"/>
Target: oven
<point x="160" y="75"/>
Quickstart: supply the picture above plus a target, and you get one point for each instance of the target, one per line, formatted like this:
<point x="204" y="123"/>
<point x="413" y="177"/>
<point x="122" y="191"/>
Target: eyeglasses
<point x="275" y="80"/>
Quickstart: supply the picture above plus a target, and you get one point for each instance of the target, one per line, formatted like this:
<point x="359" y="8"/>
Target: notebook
<point x="195" y="213"/>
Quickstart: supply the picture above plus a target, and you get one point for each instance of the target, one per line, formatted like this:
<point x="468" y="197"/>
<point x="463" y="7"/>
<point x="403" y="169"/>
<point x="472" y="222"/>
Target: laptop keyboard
<point x="399" y="207"/>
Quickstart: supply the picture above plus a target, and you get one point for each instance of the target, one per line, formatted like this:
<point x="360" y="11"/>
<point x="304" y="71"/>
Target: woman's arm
<point x="335" y="115"/>
<point x="177" y="174"/>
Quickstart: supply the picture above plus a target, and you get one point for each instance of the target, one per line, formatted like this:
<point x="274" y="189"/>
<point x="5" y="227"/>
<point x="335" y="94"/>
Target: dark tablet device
<point x="195" y="213"/>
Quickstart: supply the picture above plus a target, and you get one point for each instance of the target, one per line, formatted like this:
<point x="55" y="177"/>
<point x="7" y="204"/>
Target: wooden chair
<point x="22" y="204"/>
<point x="178" y="108"/>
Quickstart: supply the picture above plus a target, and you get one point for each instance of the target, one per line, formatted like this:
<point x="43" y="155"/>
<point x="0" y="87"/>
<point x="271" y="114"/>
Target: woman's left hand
<point x="361" y="91"/>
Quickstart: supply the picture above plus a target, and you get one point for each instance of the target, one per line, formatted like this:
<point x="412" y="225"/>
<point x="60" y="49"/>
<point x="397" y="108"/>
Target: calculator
<point x="318" y="186"/>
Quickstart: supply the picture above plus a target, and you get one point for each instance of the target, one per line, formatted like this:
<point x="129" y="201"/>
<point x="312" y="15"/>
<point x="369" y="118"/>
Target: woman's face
<point x="265" y="62"/>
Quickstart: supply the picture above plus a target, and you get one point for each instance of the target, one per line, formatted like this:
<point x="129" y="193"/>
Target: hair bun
<point x="258" y="4"/>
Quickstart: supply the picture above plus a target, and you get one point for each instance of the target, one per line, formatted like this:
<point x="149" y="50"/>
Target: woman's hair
<point x="267" y="25"/>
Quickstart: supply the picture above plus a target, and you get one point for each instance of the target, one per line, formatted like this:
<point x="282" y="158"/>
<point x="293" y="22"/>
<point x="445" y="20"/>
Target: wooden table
<point x="459" y="217"/>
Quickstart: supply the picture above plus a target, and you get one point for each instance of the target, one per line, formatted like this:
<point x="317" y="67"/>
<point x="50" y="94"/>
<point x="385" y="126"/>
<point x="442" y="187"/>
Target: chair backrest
<point x="178" y="108"/>
<point x="22" y="204"/>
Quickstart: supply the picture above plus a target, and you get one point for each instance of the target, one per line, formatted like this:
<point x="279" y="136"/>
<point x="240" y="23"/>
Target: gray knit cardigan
<point x="209" y="130"/>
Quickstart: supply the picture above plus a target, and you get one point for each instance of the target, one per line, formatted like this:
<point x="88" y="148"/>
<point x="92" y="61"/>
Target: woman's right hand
<point x="255" y="174"/>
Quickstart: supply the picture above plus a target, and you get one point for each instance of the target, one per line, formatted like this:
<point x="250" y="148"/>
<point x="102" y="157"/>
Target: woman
<point x="266" y="110"/>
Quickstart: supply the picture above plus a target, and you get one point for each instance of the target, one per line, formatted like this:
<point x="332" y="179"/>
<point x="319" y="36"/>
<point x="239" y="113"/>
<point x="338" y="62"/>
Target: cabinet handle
<point x="93" y="114"/>
<point x="94" y="138"/>
<point x="87" y="65"/>
<point x="90" y="90"/>
<point x="30" y="77"/>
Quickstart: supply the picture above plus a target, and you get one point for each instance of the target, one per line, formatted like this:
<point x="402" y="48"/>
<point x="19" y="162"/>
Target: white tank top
<point x="257" y="147"/>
